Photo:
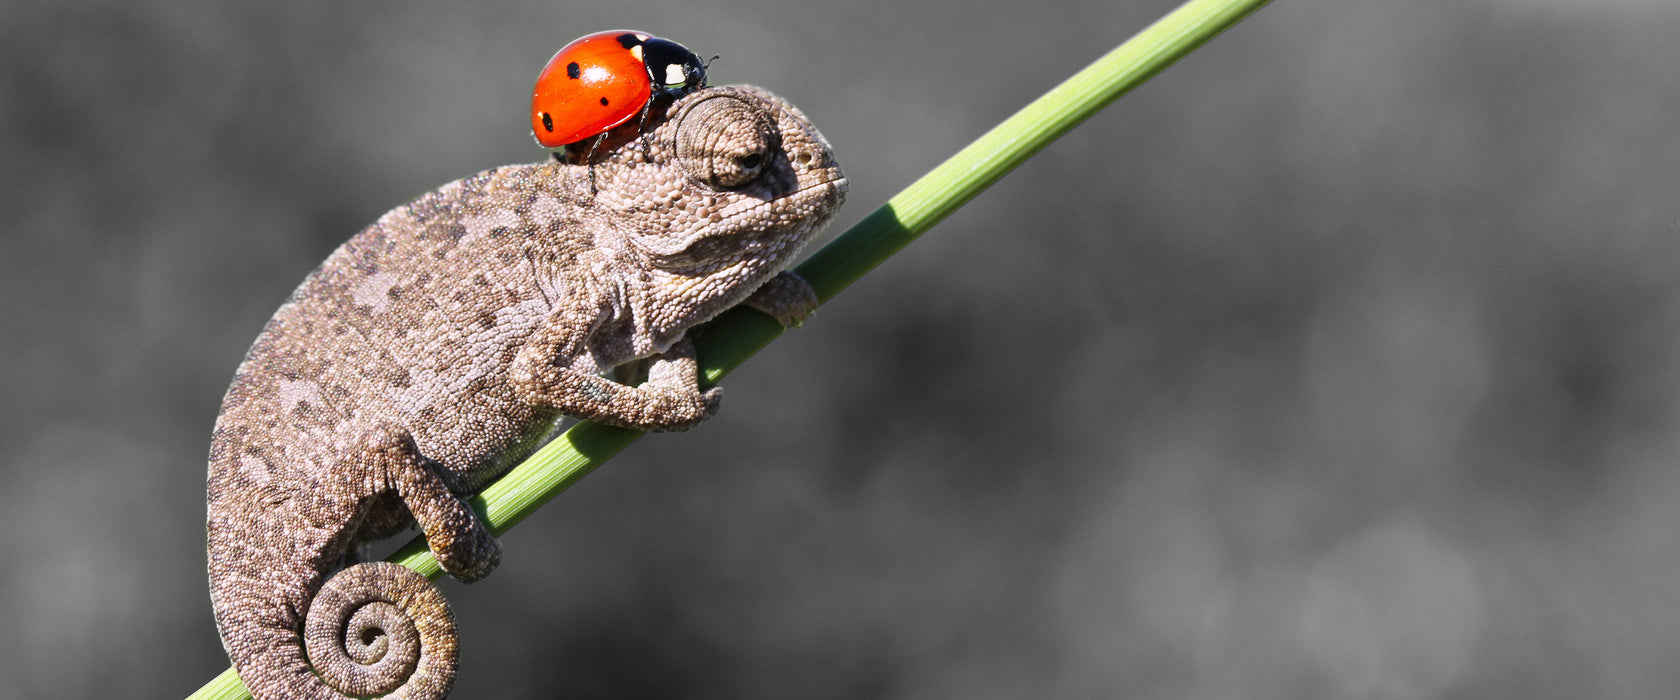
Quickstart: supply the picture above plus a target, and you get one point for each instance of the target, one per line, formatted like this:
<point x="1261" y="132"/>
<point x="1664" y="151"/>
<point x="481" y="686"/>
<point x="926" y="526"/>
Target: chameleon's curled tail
<point x="373" y="630"/>
<point x="382" y="630"/>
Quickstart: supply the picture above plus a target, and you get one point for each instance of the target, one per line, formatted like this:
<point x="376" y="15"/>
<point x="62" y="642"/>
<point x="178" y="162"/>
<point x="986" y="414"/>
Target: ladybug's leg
<point x="641" y="130"/>
<point x="590" y="159"/>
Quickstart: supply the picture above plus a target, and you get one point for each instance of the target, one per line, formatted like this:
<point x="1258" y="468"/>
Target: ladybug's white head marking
<point x="674" y="74"/>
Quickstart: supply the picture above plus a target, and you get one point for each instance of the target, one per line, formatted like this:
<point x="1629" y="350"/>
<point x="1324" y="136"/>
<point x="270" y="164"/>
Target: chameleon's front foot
<point x="787" y="297"/>
<point x="669" y="400"/>
<point x="677" y="412"/>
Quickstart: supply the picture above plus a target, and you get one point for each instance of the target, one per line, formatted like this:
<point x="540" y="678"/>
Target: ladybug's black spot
<point x="628" y="40"/>
<point x="572" y="70"/>
<point x="603" y="102"/>
<point x="548" y="121"/>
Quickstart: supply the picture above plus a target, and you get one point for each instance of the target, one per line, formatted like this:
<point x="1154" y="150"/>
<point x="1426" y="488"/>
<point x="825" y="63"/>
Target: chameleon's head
<point x="726" y="174"/>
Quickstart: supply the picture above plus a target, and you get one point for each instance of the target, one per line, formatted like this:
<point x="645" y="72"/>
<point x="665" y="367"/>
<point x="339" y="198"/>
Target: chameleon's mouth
<point x="834" y="189"/>
<point x="741" y="228"/>
<point x="752" y="217"/>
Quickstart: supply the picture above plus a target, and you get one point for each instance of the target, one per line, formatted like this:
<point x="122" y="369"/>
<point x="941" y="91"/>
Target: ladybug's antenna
<point x="708" y="64"/>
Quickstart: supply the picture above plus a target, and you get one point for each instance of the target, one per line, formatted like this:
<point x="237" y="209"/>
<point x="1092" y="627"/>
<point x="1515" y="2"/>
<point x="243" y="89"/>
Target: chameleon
<point x="443" y="344"/>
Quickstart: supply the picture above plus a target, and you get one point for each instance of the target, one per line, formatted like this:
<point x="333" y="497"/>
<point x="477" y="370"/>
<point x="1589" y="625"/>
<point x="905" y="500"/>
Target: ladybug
<point x="601" y="80"/>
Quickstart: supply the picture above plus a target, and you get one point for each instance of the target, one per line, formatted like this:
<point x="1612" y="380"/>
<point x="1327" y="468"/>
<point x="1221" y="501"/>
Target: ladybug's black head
<point x="673" y="68"/>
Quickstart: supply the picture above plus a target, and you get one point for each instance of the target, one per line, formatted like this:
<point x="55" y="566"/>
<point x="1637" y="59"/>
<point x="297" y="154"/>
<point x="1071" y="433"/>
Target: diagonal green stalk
<point x="739" y="334"/>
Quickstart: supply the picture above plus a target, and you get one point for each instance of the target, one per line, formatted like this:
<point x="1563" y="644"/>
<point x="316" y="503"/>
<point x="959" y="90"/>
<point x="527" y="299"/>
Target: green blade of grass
<point x="740" y="333"/>
<point x="930" y="199"/>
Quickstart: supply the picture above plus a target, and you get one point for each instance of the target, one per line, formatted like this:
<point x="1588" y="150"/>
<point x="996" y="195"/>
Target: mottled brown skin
<point x="440" y="346"/>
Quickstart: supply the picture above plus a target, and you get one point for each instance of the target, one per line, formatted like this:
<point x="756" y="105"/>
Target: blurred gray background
<point x="1342" y="360"/>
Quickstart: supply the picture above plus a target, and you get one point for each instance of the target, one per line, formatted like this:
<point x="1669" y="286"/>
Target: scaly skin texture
<point x="439" y="347"/>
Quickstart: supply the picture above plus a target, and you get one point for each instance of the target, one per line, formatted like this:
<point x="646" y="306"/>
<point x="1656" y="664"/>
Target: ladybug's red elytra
<point x="601" y="80"/>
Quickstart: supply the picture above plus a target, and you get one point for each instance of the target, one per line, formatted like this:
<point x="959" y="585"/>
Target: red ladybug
<point x="602" y="80"/>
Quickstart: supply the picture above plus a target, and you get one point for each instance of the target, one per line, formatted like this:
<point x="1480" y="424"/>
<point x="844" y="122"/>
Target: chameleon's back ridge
<point x="441" y="345"/>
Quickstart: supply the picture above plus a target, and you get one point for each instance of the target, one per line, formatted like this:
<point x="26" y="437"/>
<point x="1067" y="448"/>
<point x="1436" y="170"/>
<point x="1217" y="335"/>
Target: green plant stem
<point x="740" y="333"/>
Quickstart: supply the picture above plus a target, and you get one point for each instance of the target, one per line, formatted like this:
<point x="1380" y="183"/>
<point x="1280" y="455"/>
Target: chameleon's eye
<point x="725" y="142"/>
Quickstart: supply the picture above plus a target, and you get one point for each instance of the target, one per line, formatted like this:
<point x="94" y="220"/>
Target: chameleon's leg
<point x="677" y="372"/>
<point x="371" y="629"/>
<point x="787" y="297"/>
<point x="670" y="399"/>
<point x="378" y="628"/>
<point x="462" y="544"/>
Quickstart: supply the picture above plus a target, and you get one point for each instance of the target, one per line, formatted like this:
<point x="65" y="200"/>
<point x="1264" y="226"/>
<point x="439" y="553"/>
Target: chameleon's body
<point x="439" y="346"/>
